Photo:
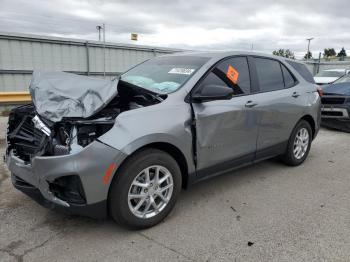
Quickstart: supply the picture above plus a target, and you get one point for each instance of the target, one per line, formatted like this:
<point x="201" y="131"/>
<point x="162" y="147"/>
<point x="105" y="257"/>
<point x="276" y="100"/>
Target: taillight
<point x="319" y="91"/>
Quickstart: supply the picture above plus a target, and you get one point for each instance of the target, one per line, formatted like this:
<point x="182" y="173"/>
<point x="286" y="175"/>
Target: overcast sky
<point x="190" y="24"/>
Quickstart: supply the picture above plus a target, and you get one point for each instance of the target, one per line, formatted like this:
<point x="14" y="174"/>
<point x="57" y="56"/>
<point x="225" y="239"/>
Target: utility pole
<point x="104" y="50"/>
<point x="319" y="62"/>
<point x="98" y="27"/>
<point x="103" y="28"/>
<point x="308" y="47"/>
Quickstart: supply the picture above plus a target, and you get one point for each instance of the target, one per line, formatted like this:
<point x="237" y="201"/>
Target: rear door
<point x="226" y="130"/>
<point x="277" y="105"/>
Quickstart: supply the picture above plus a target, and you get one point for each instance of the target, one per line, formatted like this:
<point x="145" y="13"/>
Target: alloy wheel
<point x="150" y="191"/>
<point x="301" y="143"/>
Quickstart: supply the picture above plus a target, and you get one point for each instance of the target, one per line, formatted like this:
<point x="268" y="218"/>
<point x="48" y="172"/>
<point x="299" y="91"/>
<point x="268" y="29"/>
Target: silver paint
<point x="226" y="130"/>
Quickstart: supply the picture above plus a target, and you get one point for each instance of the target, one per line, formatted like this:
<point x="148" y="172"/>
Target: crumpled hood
<point x="57" y="94"/>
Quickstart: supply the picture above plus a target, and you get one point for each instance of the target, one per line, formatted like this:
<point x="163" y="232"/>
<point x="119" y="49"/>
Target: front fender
<point x="155" y="124"/>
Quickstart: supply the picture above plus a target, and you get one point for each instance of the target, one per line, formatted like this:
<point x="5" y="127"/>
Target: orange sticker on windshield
<point x="232" y="74"/>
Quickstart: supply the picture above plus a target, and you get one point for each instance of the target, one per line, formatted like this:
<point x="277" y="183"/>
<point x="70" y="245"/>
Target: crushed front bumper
<point x="94" y="166"/>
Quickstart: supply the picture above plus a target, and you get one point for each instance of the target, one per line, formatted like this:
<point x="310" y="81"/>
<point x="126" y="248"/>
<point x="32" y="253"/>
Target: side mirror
<point x="212" y="92"/>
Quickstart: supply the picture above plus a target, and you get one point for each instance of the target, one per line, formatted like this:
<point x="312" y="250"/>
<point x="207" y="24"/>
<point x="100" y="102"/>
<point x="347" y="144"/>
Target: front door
<point x="226" y="130"/>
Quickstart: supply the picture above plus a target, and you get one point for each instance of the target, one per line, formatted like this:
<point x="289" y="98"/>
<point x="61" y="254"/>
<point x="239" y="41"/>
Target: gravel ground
<point x="265" y="212"/>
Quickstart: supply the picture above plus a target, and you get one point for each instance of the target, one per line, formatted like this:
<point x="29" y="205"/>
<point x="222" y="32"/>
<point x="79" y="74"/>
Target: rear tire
<point x="135" y="191"/>
<point x="299" y="144"/>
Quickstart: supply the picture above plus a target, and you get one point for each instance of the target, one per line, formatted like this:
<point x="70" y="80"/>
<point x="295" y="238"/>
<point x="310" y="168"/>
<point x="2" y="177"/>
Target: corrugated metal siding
<point x="20" y="54"/>
<point x="315" y="67"/>
<point x="14" y="82"/>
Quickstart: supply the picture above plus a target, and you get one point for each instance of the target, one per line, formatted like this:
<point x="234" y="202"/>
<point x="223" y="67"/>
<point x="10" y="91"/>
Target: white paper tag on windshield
<point x="181" y="71"/>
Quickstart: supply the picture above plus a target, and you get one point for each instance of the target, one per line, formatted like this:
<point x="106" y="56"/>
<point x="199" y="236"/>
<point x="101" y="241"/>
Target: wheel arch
<point x="311" y="121"/>
<point x="176" y="153"/>
<point x="172" y="150"/>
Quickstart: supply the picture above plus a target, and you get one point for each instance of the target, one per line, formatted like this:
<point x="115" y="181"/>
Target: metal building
<point x="20" y="54"/>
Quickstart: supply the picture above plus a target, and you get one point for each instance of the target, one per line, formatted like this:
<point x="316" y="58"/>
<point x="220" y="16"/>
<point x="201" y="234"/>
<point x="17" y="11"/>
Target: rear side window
<point x="289" y="80"/>
<point x="269" y="74"/>
<point x="232" y="72"/>
<point x="302" y="70"/>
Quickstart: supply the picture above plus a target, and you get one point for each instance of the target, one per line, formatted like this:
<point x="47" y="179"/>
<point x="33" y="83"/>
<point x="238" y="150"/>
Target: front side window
<point x="269" y="74"/>
<point x="233" y="73"/>
<point x="164" y="74"/>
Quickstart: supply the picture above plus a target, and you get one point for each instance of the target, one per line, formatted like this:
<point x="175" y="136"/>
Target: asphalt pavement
<point x="265" y="212"/>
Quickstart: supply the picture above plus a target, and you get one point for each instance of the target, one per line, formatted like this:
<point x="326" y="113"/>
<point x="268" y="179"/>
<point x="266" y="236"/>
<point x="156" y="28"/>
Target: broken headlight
<point x="88" y="133"/>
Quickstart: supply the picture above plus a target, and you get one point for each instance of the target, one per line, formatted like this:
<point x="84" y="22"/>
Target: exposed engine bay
<point x="30" y="134"/>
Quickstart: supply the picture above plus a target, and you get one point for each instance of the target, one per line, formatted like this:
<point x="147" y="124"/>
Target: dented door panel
<point x="226" y="130"/>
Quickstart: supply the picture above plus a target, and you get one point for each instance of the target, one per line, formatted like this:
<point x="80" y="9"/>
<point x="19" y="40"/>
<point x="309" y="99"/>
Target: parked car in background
<point x="336" y="104"/>
<point x="329" y="76"/>
<point x="126" y="147"/>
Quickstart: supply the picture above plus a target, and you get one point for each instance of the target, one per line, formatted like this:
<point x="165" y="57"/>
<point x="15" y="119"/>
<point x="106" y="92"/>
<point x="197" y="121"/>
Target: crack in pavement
<point x="166" y="247"/>
<point x="3" y="176"/>
<point x="3" y="168"/>
<point x="10" y="247"/>
<point x="13" y="245"/>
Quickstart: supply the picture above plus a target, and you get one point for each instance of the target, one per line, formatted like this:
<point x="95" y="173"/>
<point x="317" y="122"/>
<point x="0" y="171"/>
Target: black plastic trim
<point x="271" y="151"/>
<point x="239" y="162"/>
<point x="96" y="210"/>
<point x="225" y="166"/>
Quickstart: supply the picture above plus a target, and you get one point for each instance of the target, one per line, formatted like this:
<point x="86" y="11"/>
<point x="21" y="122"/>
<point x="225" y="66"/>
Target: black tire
<point x="118" y="195"/>
<point x="289" y="158"/>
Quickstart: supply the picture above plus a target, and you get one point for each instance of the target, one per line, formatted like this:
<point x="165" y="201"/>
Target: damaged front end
<point x="54" y="153"/>
<point x="36" y="130"/>
<point x="30" y="135"/>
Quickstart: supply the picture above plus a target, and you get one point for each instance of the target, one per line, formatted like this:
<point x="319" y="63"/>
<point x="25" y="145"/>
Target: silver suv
<point x="126" y="147"/>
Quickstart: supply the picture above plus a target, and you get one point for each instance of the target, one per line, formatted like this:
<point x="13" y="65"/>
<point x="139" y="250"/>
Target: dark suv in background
<point x="336" y="104"/>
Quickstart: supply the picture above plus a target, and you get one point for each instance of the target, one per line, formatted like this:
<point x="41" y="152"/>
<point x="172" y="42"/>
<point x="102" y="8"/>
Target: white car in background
<point x="329" y="76"/>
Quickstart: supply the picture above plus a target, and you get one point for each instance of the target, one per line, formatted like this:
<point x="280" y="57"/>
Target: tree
<point x="308" y="55"/>
<point x="342" y="53"/>
<point x="329" y="52"/>
<point x="284" y="53"/>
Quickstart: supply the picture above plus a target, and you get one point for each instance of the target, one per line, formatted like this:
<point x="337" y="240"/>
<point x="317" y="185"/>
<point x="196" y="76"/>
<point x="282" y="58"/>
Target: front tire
<point x="145" y="189"/>
<point x="299" y="144"/>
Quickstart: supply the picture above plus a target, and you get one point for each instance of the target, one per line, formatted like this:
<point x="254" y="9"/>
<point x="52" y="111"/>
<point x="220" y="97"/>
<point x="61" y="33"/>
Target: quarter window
<point x="302" y="70"/>
<point x="269" y="74"/>
<point x="232" y="72"/>
<point x="289" y="80"/>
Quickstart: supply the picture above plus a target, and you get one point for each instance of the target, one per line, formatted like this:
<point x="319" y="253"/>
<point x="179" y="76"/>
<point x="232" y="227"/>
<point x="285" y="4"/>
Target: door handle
<point x="295" y="94"/>
<point x="250" y="104"/>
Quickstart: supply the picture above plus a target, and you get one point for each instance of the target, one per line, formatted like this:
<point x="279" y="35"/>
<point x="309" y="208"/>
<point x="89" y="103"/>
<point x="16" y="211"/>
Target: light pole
<point x="104" y="50"/>
<point x="98" y="27"/>
<point x="308" y="47"/>
<point x="103" y="28"/>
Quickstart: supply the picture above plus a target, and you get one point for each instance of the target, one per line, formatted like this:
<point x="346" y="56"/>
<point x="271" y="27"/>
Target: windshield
<point x="344" y="79"/>
<point x="330" y="74"/>
<point x="164" y="74"/>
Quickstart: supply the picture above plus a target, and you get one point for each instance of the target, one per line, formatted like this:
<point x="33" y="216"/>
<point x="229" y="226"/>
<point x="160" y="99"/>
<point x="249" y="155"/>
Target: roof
<point x="223" y="54"/>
